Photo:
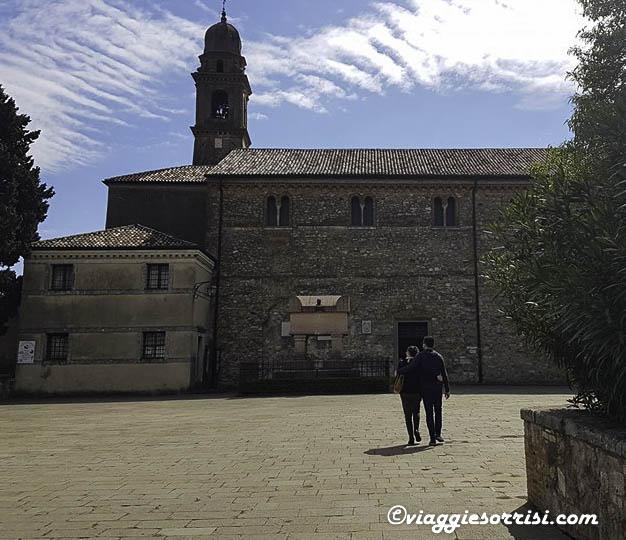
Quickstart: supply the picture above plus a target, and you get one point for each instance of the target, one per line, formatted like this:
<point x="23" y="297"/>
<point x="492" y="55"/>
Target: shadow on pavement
<point x="398" y="450"/>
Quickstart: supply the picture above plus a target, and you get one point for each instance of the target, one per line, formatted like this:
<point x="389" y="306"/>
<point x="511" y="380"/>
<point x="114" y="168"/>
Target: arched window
<point x="451" y="212"/>
<point x="438" y="212"/>
<point x="277" y="213"/>
<point x="272" y="214"/>
<point x="362" y="212"/>
<point x="356" y="212"/>
<point x="444" y="212"/>
<point x="220" y="66"/>
<point x="219" y="105"/>
<point x="368" y="212"/>
<point x="283" y="212"/>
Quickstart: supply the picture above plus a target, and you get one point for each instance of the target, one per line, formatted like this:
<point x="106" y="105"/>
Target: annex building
<point x="254" y="266"/>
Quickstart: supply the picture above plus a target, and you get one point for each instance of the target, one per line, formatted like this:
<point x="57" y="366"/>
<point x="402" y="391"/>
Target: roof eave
<point x="142" y="248"/>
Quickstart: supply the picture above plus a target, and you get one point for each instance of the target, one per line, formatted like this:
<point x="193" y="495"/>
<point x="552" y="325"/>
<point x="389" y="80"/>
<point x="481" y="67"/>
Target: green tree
<point x="561" y="267"/>
<point x="598" y="121"/>
<point x="23" y="200"/>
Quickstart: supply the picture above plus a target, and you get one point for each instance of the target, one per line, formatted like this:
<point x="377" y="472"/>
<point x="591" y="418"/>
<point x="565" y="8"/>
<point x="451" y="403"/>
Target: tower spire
<point x="223" y="11"/>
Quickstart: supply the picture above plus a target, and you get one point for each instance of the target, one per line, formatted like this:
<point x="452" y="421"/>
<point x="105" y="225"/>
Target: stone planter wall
<point x="576" y="464"/>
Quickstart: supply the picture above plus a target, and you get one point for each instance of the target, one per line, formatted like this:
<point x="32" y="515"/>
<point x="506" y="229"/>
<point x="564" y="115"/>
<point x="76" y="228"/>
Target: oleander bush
<point x="561" y="273"/>
<point x="560" y="267"/>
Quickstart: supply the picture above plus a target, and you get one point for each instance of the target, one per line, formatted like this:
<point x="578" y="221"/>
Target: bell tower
<point x="222" y="93"/>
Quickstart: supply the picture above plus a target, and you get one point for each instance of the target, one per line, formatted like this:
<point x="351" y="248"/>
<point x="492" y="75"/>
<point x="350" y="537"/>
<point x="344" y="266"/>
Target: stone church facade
<point x="327" y="258"/>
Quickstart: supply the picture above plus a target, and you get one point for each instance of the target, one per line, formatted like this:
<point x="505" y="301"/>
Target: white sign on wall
<point x="285" y="329"/>
<point x="26" y="352"/>
<point x="366" y="327"/>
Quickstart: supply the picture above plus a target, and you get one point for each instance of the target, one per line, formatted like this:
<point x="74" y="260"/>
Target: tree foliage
<point x="561" y="272"/>
<point x="561" y="267"/>
<point x="23" y="200"/>
<point x="598" y="120"/>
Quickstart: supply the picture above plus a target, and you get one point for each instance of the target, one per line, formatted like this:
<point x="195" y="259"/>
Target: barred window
<point x="444" y="212"/>
<point x="277" y="211"/>
<point x="57" y="347"/>
<point x="158" y="276"/>
<point x="62" y="277"/>
<point x="362" y="212"/>
<point x="153" y="345"/>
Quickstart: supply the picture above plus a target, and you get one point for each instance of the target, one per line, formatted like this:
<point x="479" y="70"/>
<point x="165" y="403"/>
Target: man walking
<point x="433" y="381"/>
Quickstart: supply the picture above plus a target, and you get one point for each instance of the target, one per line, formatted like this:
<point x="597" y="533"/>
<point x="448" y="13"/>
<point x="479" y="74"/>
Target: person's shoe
<point x="411" y="442"/>
<point x="439" y="438"/>
<point x="432" y="442"/>
<point x="418" y="437"/>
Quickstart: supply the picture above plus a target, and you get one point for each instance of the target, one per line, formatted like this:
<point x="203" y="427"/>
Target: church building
<point x="276" y="269"/>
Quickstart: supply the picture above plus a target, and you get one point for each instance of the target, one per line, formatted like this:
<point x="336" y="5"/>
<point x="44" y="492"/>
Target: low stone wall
<point x="576" y="464"/>
<point x="102" y="378"/>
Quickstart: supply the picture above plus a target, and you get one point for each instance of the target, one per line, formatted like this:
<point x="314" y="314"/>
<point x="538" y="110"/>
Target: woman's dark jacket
<point x="427" y="365"/>
<point x="411" y="379"/>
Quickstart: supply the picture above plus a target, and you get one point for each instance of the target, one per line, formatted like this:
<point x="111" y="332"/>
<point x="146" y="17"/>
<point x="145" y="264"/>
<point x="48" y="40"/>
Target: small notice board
<point x="26" y="352"/>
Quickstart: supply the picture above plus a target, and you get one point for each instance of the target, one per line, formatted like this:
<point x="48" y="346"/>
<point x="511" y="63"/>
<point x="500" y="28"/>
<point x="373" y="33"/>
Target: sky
<point x="108" y="81"/>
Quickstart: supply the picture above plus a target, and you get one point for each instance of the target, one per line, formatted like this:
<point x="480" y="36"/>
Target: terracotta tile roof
<point x="495" y="162"/>
<point x="126" y="237"/>
<point x="188" y="174"/>
<point x="414" y="163"/>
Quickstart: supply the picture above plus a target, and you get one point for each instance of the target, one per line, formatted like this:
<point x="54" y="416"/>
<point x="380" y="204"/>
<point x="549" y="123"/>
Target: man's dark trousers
<point x="432" y="396"/>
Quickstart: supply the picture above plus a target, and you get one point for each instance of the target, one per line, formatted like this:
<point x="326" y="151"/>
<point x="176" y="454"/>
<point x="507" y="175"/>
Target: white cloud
<point x="77" y="67"/>
<point x="445" y="45"/>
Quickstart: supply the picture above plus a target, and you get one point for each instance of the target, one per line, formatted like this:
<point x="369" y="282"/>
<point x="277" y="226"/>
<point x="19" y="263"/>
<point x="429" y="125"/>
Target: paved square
<point x="320" y="467"/>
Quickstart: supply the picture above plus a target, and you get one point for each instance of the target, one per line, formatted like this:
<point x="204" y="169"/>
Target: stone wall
<point x="576" y="464"/>
<point x="402" y="269"/>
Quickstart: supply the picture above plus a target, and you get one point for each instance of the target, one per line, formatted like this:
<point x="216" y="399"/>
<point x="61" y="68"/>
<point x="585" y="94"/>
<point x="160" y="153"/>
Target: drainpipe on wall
<point x="216" y="301"/>
<point x="479" y="350"/>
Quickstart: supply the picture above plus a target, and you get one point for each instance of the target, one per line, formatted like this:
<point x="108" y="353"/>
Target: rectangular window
<point x="153" y="345"/>
<point x="57" y="346"/>
<point x="158" y="276"/>
<point x="62" y="277"/>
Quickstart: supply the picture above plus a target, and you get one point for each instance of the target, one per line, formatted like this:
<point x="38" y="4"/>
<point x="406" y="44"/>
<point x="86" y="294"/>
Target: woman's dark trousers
<point x="432" y="396"/>
<point x="411" y="408"/>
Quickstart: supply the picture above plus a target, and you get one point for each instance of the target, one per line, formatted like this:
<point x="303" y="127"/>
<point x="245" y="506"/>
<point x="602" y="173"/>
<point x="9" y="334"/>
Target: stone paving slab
<point x="316" y="467"/>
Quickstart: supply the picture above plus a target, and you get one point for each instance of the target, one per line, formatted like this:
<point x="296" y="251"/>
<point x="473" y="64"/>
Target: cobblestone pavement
<point x="322" y="467"/>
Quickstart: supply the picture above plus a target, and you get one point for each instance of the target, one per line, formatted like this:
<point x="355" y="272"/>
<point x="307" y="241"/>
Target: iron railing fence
<point x="311" y="369"/>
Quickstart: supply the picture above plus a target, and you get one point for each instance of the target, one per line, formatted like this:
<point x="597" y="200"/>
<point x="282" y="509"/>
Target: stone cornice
<point x="118" y="254"/>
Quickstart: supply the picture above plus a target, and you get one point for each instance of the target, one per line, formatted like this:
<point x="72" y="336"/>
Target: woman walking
<point x="411" y="397"/>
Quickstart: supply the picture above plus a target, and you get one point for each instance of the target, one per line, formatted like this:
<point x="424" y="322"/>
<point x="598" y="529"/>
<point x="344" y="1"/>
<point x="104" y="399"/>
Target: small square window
<point x="158" y="276"/>
<point x="62" y="277"/>
<point x="153" y="345"/>
<point x="57" y="347"/>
